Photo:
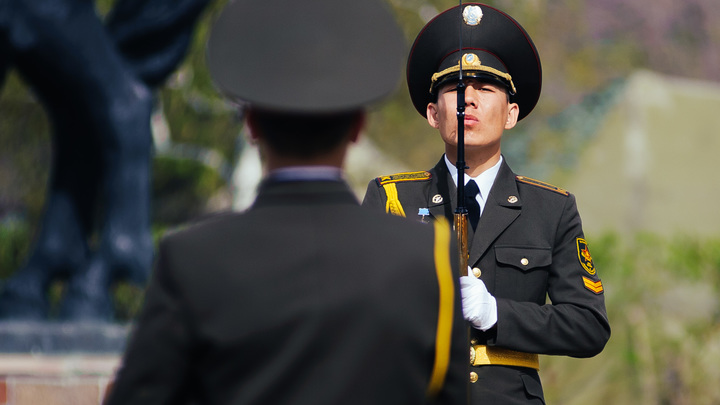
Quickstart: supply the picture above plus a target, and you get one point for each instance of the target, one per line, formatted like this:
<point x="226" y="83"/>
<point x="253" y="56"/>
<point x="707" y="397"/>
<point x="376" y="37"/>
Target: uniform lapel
<point x="503" y="206"/>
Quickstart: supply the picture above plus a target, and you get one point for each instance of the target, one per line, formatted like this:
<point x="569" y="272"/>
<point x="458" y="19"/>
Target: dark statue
<point x="95" y="78"/>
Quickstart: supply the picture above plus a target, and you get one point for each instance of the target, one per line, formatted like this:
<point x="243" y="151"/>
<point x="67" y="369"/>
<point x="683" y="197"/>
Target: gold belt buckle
<point x="482" y="355"/>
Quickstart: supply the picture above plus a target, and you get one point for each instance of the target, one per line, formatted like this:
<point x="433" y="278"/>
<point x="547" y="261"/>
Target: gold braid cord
<point x="393" y="206"/>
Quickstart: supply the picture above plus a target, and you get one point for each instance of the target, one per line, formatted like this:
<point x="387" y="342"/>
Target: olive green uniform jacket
<point x="529" y="247"/>
<point x="306" y="298"/>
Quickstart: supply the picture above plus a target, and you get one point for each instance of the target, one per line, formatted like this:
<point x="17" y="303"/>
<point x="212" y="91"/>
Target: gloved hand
<point x="479" y="307"/>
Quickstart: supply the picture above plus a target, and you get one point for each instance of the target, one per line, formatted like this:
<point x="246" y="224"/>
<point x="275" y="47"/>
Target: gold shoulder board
<point x="402" y="177"/>
<point x="542" y="184"/>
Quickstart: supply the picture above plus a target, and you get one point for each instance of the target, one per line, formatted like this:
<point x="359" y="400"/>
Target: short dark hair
<point x="303" y="135"/>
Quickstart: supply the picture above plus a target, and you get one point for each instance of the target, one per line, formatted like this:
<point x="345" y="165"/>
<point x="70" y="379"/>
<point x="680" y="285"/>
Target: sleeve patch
<point x="402" y="177"/>
<point x="594" y="286"/>
<point x="584" y="256"/>
<point x="542" y="184"/>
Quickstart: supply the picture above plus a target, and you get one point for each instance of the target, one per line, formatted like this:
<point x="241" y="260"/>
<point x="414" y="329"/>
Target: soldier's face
<point x="487" y="114"/>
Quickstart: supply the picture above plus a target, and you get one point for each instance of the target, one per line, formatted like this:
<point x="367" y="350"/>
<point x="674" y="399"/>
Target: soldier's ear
<point x="357" y="127"/>
<point x="512" y="116"/>
<point x="251" y="122"/>
<point x="432" y="115"/>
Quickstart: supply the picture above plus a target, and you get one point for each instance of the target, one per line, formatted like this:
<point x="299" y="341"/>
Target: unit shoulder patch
<point x="542" y="184"/>
<point x="403" y="177"/>
<point x="586" y="260"/>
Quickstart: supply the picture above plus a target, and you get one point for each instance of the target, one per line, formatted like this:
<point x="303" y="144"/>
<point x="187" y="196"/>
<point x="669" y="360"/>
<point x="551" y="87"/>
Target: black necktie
<point x="471" y="190"/>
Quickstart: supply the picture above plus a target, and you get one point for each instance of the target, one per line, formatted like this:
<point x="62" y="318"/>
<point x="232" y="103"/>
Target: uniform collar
<point x="306" y="173"/>
<point x="484" y="180"/>
<point x="303" y="192"/>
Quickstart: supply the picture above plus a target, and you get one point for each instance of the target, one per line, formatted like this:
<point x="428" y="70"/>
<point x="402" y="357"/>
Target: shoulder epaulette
<point x="542" y="184"/>
<point x="402" y="177"/>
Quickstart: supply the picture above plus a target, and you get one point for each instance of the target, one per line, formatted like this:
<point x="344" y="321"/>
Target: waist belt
<point x="481" y="355"/>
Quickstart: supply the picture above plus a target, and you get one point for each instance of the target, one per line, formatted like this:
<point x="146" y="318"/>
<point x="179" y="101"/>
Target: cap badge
<point x="470" y="61"/>
<point x="472" y="15"/>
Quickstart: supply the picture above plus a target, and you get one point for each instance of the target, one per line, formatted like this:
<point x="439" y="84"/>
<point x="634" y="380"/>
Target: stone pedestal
<point x="58" y="363"/>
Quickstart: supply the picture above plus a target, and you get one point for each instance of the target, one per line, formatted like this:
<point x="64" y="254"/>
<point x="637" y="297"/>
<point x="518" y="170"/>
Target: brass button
<point x="473" y="377"/>
<point x="473" y="341"/>
<point x="524" y="261"/>
<point x="476" y="272"/>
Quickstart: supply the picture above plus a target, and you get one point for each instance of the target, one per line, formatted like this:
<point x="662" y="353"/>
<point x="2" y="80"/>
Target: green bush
<point x="181" y="188"/>
<point x="14" y="243"/>
<point x="662" y="300"/>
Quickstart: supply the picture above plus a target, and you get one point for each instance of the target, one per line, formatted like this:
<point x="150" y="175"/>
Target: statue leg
<point x="152" y="36"/>
<point x="125" y="248"/>
<point x="58" y="250"/>
<point x="60" y="244"/>
<point x="99" y="84"/>
<point x="99" y="108"/>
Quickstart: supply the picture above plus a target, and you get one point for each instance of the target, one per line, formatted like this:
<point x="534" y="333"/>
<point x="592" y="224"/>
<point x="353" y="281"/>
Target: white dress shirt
<point x="484" y="180"/>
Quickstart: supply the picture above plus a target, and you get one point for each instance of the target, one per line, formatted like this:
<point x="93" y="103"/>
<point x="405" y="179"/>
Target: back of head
<point x="301" y="135"/>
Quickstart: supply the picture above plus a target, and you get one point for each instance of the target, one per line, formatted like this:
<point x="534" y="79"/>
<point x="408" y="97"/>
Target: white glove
<point x="479" y="307"/>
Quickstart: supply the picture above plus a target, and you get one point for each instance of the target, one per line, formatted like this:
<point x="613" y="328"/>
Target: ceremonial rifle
<point x="461" y="211"/>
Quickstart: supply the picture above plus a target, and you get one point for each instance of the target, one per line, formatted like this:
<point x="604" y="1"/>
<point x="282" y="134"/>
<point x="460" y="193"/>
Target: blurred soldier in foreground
<point x="526" y="242"/>
<point x="306" y="298"/>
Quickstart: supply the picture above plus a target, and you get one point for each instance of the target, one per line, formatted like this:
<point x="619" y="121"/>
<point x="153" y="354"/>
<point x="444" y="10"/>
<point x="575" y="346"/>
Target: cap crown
<point x="306" y="56"/>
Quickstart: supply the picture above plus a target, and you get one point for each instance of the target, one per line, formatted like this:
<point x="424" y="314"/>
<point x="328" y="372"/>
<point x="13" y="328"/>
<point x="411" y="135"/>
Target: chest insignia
<point x="437" y="199"/>
<point x="422" y="213"/>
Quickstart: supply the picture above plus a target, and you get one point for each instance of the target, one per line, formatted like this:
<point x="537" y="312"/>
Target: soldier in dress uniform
<point x="306" y="298"/>
<point x="526" y="243"/>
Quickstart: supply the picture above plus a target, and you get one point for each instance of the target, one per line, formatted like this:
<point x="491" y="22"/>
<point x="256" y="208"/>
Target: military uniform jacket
<point x="306" y="298"/>
<point x="529" y="246"/>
